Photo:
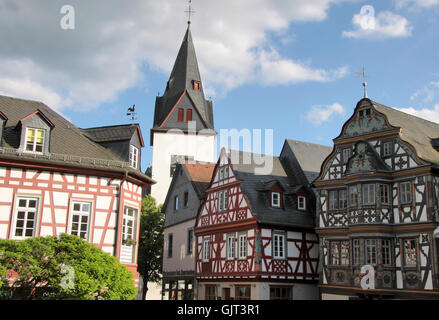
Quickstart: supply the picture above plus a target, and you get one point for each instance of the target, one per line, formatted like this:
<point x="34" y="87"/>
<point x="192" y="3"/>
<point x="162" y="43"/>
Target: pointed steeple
<point x="185" y="80"/>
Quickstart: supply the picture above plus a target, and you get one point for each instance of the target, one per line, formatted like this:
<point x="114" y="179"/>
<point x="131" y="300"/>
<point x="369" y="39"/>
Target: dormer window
<point x="301" y="203"/>
<point x="275" y="199"/>
<point x="134" y="156"/>
<point x="34" y="140"/>
<point x="223" y="173"/>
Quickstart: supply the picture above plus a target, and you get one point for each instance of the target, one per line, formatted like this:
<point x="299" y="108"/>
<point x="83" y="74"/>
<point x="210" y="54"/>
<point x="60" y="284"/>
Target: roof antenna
<point x="131" y="112"/>
<point x="364" y="76"/>
<point x="190" y="12"/>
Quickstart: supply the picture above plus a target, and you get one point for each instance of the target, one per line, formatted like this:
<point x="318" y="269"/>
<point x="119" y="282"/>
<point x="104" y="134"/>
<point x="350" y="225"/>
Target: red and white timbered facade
<point x="241" y="255"/>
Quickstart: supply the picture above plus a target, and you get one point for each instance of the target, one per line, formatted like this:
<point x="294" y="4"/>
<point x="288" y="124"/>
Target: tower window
<point x="180" y="115"/>
<point x="188" y="115"/>
<point x="197" y="85"/>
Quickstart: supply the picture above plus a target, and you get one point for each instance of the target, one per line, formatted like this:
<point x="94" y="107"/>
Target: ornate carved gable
<point x="365" y="159"/>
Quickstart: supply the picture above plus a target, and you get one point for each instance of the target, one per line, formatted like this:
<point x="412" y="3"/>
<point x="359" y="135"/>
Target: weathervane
<point x="190" y="12"/>
<point x="364" y="76"/>
<point x="131" y="112"/>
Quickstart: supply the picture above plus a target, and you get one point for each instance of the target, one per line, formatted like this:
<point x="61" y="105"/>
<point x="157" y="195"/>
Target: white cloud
<point x="427" y="114"/>
<point x="323" y="113"/>
<point x="385" y="25"/>
<point x="416" y="3"/>
<point x="114" y="41"/>
<point x="427" y="93"/>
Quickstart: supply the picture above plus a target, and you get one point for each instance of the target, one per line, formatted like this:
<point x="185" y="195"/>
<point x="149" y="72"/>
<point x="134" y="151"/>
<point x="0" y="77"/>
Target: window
<point x="347" y="153"/>
<point x="384" y="193"/>
<point x="34" y="140"/>
<point x="197" y="85"/>
<point x="210" y="293"/>
<point x="190" y="241"/>
<point x="281" y="293"/>
<point x="301" y="203"/>
<point x="223" y="173"/>
<point x="356" y="251"/>
<point x="134" y="156"/>
<point x="368" y="194"/>
<point x="186" y="199"/>
<point x="275" y="199"/>
<point x="80" y="219"/>
<point x="176" y="203"/>
<point x="405" y="192"/>
<point x="205" y="254"/>
<point x="129" y="235"/>
<point x="387" y="148"/>
<point x="410" y="259"/>
<point x="230" y="250"/>
<point x="386" y="251"/>
<point x="242" y="246"/>
<point x="371" y="252"/>
<point x="222" y="200"/>
<point x="170" y="244"/>
<point x="242" y="292"/>
<point x="339" y="252"/>
<point x="353" y="196"/>
<point x="26" y="217"/>
<point x="180" y="116"/>
<point x="333" y="200"/>
<point x="342" y="199"/>
<point x="188" y="115"/>
<point x="278" y="246"/>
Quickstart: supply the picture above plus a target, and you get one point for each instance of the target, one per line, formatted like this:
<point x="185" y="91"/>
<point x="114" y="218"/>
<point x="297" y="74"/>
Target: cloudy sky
<point x="286" y="65"/>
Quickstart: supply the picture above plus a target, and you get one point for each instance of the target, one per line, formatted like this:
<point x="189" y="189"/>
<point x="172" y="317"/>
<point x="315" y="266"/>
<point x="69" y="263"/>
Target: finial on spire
<point x="364" y="76"/>
<point x="190" y="12"/>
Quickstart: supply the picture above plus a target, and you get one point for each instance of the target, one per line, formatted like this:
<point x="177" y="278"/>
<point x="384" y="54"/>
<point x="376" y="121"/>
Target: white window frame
<point x="275" y="203"/>
<point x="346" y="153"/>
<point x="230" y="245"/>
<point x="242" y="246"/>
<point x="223" y="200"/>
<point x="386" y="252"/>
<point x="301" y="206"/>
<point x="370" y="246"/>
<point x="333" y="201"/>
<point x="387" y="148"/>
<point x="205" y="252"/>
<point x="134" y="156"/>
<point x="356" y="252"/>
<point x="25" y="219"/>
<point x="368" y="194"/>
<point x="384" y="193"/>
<point x="405" y="194"/>
<point x="279" y="244"/>
<point x="81" y="214"/>
<point x="34" y="143"/>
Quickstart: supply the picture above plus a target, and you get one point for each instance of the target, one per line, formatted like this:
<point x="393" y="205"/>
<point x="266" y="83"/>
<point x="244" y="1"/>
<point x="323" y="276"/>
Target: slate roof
<point x="253" y="186"/>
<point x="111" y="133"/>
<point x="65" y="138"/>
<point x="183" y="74"/>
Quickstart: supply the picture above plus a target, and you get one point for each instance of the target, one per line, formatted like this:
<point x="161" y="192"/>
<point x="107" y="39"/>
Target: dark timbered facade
<point x="377" y="207"/>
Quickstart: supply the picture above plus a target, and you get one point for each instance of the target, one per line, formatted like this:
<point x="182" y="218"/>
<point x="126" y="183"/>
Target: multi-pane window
<point x="223" y="173"/>
<point x="301" y="203"/>
<point x="80" y="219"/>
<point x="34" y="140"/>
<point x="26" y="217"/>
<point x="281" y="293"/>
<point x="405" y="192"/>
<point x="222" y="200"/>
<point x="170" y="244"/>
<point x="384" y="193"/>
<point x="342" y="199"/>
<point x="339" y="252"/>
<point x="210" y="292"/>
<point x="275" y="199"/>
<point x="333" y="200"/>
<point x="371" y="251"/>
<point x="230" y="252"/>
<point x="205" y="254"/>
<point x="353" y="196"/>
<point x="356" y="251"/>
<point x="242" y="246"/>
<point x="134" y="156"/>
<point x="190" y="240"/>
<point x="347" y="153"/>
<point x="368" y="194"/>
<point x="278" y="246"/>
<point x="410" y="257"/>
<point x="242" y="292"/>
<point x="386" y="252"/>
<point x="387" y="148"/>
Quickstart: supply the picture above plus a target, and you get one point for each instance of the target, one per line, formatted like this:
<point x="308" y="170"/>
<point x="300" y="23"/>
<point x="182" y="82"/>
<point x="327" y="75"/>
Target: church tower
<point x="183" y="128"/>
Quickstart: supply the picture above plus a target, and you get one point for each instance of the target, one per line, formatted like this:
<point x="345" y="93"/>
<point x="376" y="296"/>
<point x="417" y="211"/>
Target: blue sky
<point x="282" y="65"/>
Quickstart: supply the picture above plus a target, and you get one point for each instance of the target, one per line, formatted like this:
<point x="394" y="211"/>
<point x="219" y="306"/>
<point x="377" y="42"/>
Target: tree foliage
<point x="61" y="268"/>
<point x="150" y="253"/>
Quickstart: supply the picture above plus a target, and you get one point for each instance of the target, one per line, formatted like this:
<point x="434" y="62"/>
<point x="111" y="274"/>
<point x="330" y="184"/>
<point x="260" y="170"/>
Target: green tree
<point x="61" y="268"/>
<point x="150" y="255"/>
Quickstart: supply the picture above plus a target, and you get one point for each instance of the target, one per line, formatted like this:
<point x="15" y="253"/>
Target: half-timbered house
<point x="255" y="229"/>
<point x="57" y="178"/>
<point x="185" y="195"/>
<point x="377" y="207"/>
